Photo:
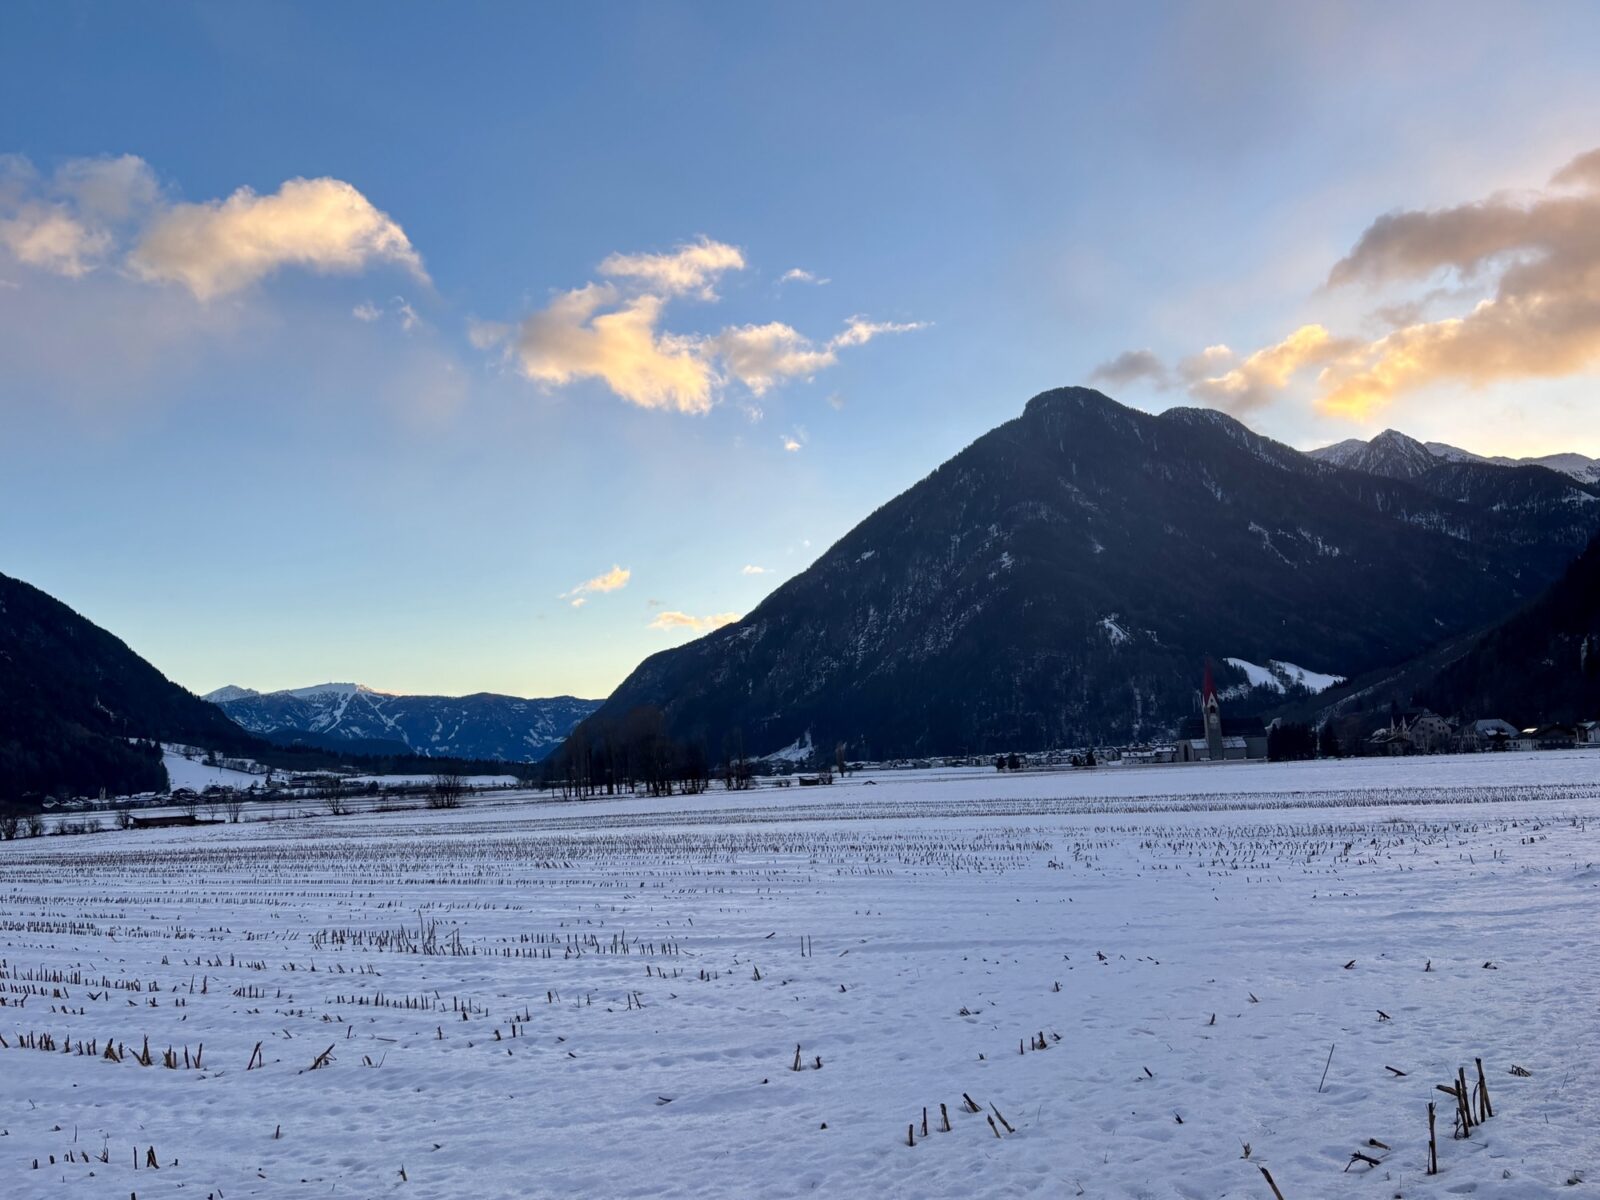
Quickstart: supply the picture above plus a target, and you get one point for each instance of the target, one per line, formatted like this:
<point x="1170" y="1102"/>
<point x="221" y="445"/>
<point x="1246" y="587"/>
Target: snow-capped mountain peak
<point x="229" y="692"/>
<point x="330" y="689"/>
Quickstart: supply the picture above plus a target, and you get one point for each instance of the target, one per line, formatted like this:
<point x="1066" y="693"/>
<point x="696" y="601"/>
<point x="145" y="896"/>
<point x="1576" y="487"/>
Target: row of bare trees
<point x="610" y="757"/>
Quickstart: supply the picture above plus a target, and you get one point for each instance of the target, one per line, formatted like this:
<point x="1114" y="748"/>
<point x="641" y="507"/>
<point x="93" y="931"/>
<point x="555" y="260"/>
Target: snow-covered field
<point x="1141" y="970"/>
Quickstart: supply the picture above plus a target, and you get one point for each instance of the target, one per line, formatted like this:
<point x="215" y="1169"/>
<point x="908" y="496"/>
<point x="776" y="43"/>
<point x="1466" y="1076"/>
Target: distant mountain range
<point x="1061" y="581"/>
<point x="1397" y="456"/>
<point x="480" y="726"/>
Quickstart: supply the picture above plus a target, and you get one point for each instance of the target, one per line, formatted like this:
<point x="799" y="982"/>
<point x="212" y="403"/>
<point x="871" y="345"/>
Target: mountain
<point x="72" y="698"/>
<point x="1394" y="454"/>
<point x="480" y="726"/>
<point x="1391" y="453"/>
<point x="1061" y="581"/>
<point x="1542" y="664"/>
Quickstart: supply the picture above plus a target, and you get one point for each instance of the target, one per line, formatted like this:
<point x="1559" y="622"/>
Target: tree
<point x="10" y="822"/>
<point x="1328" y="741"/>
<point x="447" y="791"/>
<point x="234" y="806"/>
<point x="35" y="824"/>
<point x="1290" y="741"/>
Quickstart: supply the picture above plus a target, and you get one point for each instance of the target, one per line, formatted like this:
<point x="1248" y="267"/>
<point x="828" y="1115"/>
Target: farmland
<point x="1145" y="982"/>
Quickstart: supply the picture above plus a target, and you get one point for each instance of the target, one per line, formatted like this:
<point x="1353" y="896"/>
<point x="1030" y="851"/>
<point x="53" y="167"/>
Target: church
<point x="1211" y="737"/>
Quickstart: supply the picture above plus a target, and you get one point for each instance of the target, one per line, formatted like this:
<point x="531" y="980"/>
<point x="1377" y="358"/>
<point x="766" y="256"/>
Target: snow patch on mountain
<point x="798" y="751"/>
<point x="1114" y="631"/>
<point x="1279" y="676"/>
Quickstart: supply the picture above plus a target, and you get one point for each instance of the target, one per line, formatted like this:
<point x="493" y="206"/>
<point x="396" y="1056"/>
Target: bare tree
<point x="10" y="822"/>
<point x="447" y="791"/>
<point x="124" y="817"/>
<point x="234" y="806"/>
<point x="35" y="824"/>
<point x="335" y="801"/>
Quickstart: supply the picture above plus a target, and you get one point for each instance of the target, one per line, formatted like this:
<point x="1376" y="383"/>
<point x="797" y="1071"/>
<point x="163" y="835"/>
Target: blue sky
<point x="374" y="424"/>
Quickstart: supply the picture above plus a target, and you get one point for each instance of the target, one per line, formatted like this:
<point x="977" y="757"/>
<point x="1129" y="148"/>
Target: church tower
<point x="1211" y="707"/>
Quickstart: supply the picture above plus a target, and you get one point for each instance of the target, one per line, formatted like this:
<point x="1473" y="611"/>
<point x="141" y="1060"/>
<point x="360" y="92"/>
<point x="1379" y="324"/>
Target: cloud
<point x="692" y="268"/>
<point x="752" y="569"/>
<point x="613" y="331"/>
<point x="793" y="442"/>
<point x="762" y="356"/>
<point x="607" y="581"/>
<point x="63" y="224"/>
<point x="593" y="333"/>
<point x="1262" y="377"/>
<point x="48" y="237"/>
<point x="1531" y="260"/>
<point x="109" y="189"/>
<point x="366" y="312"/>
<point x="800" y="275"/>
<point x="222" y="246"/>
<point x="680" y="620"/>
<point x="1130" y="367"/>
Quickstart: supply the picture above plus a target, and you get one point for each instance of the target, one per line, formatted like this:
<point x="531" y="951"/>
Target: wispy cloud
<point x="1131" y="367"/>
<point x="762" y="356"/>
<point x="672" y="619"/>
<point x="752" y="569"/>
<point x="801" y="275"/>
<point x="692" y="268"/>
<point x="613" y="331"/>
<point x="607" y="581"/>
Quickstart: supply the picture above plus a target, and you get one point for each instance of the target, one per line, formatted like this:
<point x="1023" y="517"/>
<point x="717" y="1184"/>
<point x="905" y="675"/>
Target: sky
<point x="494" y="347"/>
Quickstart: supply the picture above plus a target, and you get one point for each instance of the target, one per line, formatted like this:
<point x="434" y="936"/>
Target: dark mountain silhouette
<point x="73" y="698"/>
<point x="1061" y="580"/>
<point x="79" y="711"/>
<point x="1543" y="664"/>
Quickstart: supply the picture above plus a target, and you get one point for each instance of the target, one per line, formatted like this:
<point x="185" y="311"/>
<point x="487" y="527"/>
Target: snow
<point x="229" y="692"/>
<point x="527" y="998"/>
<point x="798" y="751"/>
<point x="328" y="689"/>
<point x="1115" y="632"/>
<point x="1278" y="675"/>
<point x="195" y="775"/>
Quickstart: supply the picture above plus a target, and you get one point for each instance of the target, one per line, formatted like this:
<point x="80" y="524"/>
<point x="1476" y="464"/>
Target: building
<point x="1490" y="734"/>
<point x="1212" y="737"/>
<point x="1552" y="737"/>
<point x="1421" y="731"/>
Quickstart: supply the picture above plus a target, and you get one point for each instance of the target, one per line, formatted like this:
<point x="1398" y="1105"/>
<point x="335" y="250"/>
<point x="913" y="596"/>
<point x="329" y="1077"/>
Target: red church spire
<point x="1208" y="690"/>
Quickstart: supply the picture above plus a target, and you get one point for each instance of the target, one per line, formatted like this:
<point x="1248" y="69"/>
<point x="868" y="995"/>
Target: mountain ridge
<point x="970" y="612"/>
<point x="480" y="725"/>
